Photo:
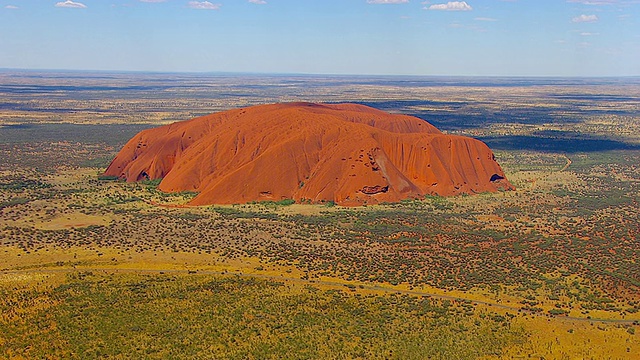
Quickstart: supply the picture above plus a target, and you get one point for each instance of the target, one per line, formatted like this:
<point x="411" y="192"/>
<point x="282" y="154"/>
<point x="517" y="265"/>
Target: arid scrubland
<point x="94" y="267"/>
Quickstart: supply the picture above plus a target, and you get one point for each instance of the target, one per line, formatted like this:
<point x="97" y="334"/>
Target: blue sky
<point x="491" y="37"/>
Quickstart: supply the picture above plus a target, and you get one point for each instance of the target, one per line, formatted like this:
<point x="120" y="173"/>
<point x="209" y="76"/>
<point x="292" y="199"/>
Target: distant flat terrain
<point x="449" y="103"/>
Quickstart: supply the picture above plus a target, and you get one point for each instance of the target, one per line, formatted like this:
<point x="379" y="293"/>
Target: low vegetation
<point x="94" y="267"/>
<point x="92" y="315"/>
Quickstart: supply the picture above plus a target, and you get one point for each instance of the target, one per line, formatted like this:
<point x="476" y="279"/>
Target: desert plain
<point x="94" y="267"/>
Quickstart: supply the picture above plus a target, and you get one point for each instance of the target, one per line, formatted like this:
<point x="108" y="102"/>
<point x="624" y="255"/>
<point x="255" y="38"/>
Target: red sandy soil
<point x="347" y="153"/>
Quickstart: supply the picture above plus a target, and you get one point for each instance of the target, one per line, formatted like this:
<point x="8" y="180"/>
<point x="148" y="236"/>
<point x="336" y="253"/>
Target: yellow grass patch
<point x="558" y="338"/>
<point x="73" y="220"/>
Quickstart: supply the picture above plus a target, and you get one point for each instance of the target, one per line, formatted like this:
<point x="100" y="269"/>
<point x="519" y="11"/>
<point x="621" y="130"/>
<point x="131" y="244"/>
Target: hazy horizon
<point x="291" y="74"/>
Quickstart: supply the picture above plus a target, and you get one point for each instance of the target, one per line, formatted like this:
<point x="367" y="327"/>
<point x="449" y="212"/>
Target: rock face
<point x="350" y="154"/>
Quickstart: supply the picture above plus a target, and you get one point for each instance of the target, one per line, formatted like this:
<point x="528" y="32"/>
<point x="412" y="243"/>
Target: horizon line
<point x="236" y="73"/>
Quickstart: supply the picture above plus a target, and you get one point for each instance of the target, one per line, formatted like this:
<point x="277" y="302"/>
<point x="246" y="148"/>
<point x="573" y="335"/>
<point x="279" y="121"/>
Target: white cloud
<point x="203" y="5"/>
<point x="588" y="34"/>
<point x="485" y="19"/>
<point x="594" y="2"/>
<point x="584" y="18"/>
<point x="451" y="6"/>
<point x="71" y="4"/>
<point x="387" y="1"/>
<point x="259" y="2"/>
<point x="12" y="7"/>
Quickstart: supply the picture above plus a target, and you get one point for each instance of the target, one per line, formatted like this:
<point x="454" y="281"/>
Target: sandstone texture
<point x="347" y="153"/>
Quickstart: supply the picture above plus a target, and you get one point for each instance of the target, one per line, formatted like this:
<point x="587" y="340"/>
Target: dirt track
<point x="377" y="288"/>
